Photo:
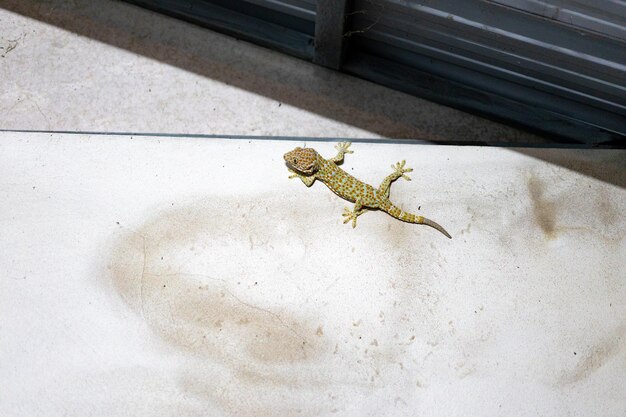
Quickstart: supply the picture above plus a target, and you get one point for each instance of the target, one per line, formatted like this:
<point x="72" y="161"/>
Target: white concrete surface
<point x="155" y="276"/>
<point x="190" y="277"/>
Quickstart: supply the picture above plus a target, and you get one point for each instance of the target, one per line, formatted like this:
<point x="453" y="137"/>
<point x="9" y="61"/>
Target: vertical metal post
<point x="330" y="24"/>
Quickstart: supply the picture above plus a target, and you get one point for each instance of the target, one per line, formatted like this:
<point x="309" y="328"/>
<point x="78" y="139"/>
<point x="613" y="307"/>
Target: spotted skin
<point x="308" y="165"/>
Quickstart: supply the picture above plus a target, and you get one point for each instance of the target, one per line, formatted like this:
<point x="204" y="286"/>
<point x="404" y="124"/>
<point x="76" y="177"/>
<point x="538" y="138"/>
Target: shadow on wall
<point x="330" y="94"/>
<point x="605" y="165"/>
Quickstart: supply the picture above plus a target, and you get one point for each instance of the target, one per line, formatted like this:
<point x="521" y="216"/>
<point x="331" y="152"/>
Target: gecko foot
<point x="307" y="180"/>
<point x="400" y="170"/>
<point x="352" y="215"/>
<point x="343" y="147"/>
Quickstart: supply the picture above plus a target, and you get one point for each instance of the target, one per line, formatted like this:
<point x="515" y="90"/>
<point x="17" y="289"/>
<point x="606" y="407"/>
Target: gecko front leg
<point x="354" y="213"/>
<point x="342" y="148"/>
<point x="307" y="180"/>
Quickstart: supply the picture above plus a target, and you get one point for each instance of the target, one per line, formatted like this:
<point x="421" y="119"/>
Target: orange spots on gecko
<point x="308" y="165"/>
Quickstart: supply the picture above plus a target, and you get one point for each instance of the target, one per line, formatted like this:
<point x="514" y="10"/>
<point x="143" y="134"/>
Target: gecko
<point x="308" y="165"/>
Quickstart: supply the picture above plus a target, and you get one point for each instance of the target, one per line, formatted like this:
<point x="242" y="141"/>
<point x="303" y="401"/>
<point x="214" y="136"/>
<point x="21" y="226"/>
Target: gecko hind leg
<point x="354" y="213"/>
<point x="399" y="171"/>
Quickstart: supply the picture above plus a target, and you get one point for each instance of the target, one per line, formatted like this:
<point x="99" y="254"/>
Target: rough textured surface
<point x="185" y="277"/>
<point x="110" y="66"/>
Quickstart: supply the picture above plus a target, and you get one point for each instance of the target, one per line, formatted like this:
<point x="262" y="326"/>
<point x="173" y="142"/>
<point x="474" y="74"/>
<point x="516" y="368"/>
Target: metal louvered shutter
<point x="501" y="60"/>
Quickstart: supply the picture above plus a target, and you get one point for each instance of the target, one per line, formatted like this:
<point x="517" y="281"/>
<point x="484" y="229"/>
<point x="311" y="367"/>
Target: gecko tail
<point x="396" y="212"/>
<point x="435" y="225"/>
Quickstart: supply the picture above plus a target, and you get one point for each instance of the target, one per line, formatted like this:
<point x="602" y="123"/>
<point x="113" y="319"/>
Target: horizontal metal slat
<point x="304" y="9"/>
<point x="607" y="17"/>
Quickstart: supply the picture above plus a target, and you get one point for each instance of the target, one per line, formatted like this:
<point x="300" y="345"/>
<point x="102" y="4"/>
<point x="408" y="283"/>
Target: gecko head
<point x="303" y="160"/>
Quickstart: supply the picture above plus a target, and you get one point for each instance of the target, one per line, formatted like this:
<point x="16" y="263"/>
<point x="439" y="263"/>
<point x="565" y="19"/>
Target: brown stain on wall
<point x="583" y="209"/>
<point x="275" y="356"/>
<point x="544" y="210"/>
<point x="597" y="357"/>
<point x="608" y="211"/>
